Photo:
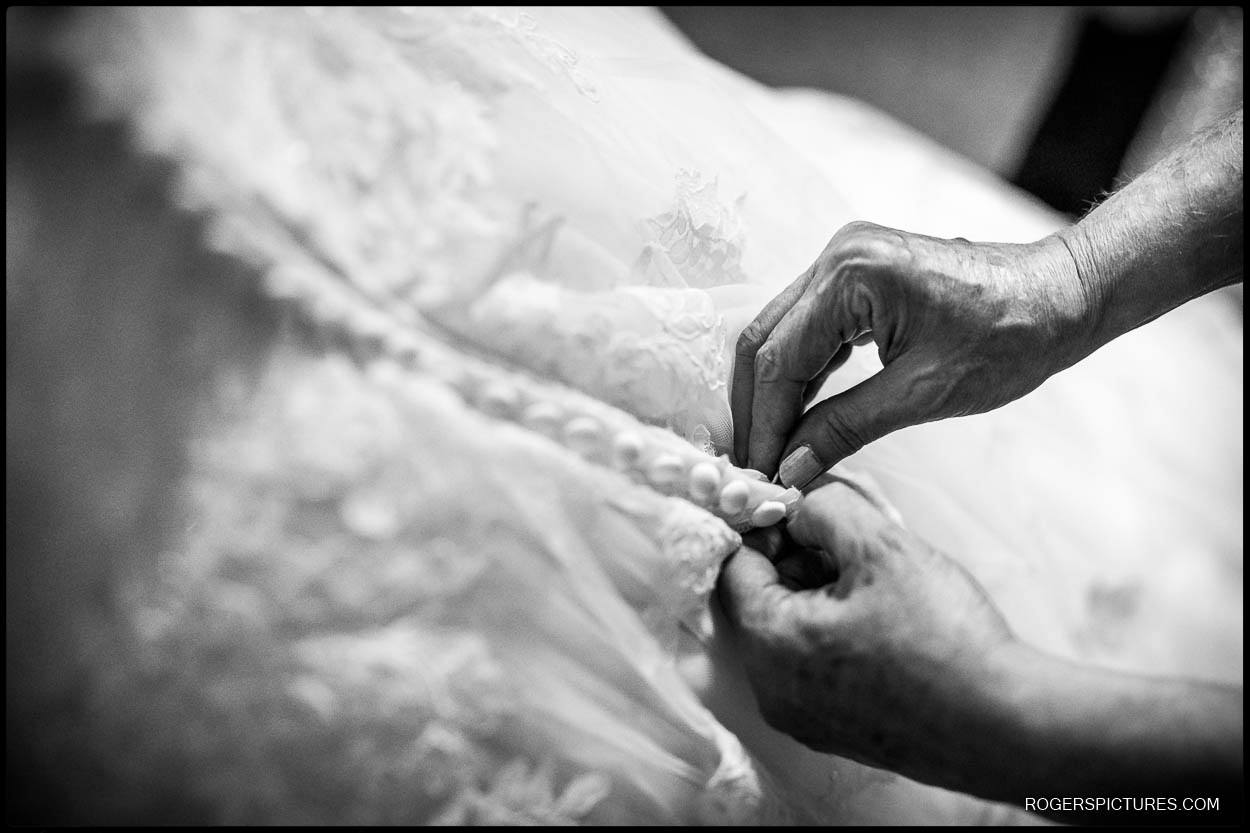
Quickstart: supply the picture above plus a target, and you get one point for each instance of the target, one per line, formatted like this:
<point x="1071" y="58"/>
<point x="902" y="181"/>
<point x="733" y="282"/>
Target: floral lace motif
<point x="700" y="237"/>
<point x="559" y="58"/>
<point x="655" y="352"/>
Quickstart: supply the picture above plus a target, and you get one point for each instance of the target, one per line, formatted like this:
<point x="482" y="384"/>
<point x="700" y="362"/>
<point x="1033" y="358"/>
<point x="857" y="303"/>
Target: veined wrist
<point x="1069" y="297"/>
<point x="1172" y="234"/>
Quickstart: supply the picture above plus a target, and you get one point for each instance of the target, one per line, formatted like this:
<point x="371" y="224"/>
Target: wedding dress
<point x="453" y="537"/>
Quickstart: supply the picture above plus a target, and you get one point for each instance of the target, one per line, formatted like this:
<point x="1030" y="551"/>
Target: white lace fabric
<point x="471" y="651"/>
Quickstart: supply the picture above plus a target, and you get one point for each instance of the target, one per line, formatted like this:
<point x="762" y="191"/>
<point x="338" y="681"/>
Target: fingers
<point x="797" y="351"/>
<point x="838" y="514"/>
<point x="798" y="567"/>
<point x="753" y="336"/>
<point x="750" y="590"/>
<point x="853" y="531"/>
<point x="768" y="541"/>
<point x="871" y="491"/>
<point x="839" y="358"/>
<point x="843" y="424"/>
<point x="807" y="568"/>
<point x="822" y="515"/>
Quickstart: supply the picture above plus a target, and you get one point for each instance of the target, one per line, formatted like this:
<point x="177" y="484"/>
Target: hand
<point x="862" y="640"/>
<point x="961" y="328"/>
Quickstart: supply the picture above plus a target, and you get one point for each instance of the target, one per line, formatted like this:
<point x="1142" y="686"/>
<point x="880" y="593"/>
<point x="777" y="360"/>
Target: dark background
<point x="1063" y="101"/>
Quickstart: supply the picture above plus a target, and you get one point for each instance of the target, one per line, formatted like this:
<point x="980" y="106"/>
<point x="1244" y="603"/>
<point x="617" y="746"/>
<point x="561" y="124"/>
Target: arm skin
<point x="1172" y="234"/>
<point x="1076" y="730"/>
<point x="860" y="639"/>
<point x="963" y="328"/>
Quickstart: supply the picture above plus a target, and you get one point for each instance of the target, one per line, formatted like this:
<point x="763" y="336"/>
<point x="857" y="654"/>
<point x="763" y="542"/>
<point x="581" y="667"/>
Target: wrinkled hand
<point x="961" y="328"/>
<point x="861" y="640"/>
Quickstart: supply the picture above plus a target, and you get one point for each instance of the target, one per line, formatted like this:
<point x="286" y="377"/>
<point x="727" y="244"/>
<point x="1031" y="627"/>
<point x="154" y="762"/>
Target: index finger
<point x="799" y="348"/>
<point x="753" y="336"/>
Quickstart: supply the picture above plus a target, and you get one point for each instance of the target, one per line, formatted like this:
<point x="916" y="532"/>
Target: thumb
<point x="750" y="590"/>
<point x="843" y="424"/>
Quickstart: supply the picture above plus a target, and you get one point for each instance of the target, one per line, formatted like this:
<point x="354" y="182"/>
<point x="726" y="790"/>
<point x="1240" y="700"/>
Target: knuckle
<point x="745" y="611"/>
<point x="871" y="244"/>
<point x="843" y="432"/>
<point x="753" y="619"/>
<point x="750" y="339"/>
<point x="767" y="621"/>
<point x="856" y="229"/>
<point x="814" y="635"/>
<point x="768" y="361"/>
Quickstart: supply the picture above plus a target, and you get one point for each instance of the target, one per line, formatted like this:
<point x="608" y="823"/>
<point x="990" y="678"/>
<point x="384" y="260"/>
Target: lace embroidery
<point x="699" y="236"/>
<point x="524" y="794"/>
<point x="559" y="58"/>
<point x="658" y="353"/>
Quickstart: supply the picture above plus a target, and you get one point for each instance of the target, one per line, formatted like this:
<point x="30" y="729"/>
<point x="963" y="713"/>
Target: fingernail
<point x="800" y="467"/>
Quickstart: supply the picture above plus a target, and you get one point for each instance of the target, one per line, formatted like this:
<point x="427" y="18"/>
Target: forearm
<point x="1060" y="729"/>
<point x="1172" y="234"/>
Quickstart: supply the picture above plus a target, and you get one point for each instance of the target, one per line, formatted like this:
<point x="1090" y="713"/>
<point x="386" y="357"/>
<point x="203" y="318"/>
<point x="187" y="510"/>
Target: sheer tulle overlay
<point x="457" y="568"/>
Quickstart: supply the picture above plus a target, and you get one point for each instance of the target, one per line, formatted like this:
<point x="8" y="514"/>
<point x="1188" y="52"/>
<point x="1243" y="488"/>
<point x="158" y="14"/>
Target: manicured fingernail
<point x="800" y="467"/>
